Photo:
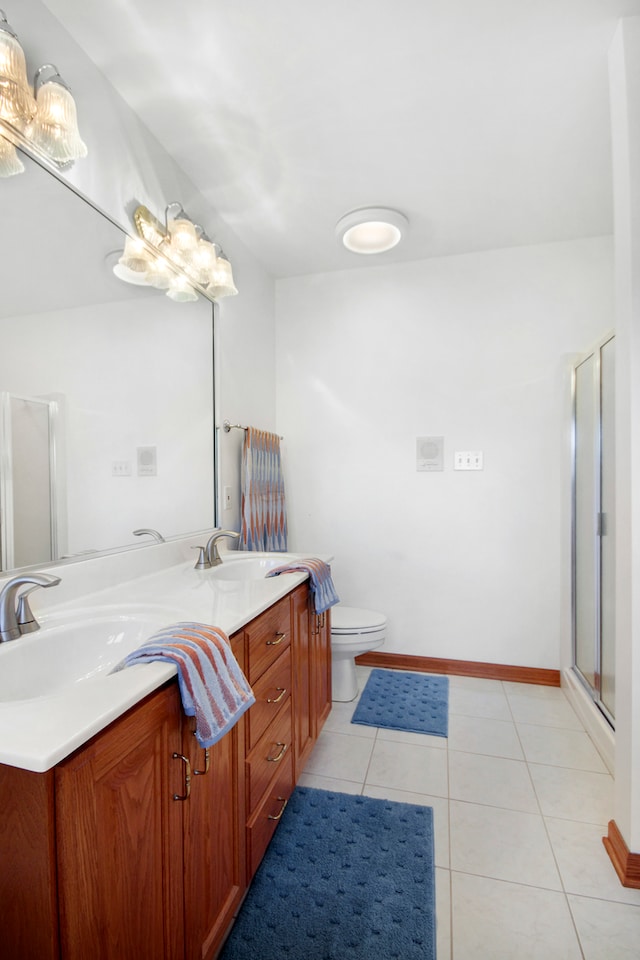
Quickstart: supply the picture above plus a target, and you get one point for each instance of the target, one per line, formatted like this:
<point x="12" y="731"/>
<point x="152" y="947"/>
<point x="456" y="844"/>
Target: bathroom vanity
<point x="140" y="845"/>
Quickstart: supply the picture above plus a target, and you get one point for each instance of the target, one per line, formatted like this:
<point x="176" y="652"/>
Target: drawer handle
<point x="207" y="759"/>
<point x="187" y="778"/>
<point x="278" y="815"/>
<point x="278" y="756"/>
<point x="279" y="638"/>
<point x="282" y="691"/>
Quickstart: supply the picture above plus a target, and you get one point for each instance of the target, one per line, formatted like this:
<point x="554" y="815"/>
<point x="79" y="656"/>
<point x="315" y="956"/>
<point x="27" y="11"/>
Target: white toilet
<point x="353" y="631"/>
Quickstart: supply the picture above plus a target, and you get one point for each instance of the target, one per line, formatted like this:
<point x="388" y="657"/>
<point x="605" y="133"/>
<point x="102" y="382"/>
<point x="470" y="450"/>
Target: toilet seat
<point x="346" y="621"/>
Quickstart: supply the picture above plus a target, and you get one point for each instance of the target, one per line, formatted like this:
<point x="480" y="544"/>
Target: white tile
<point x="478" y="703"/>
<point x="607" y="931"/>
<point x="504" y="844"/>
<point x="538" y="690"/>
<point x="339" y="721"/>
<point x="439" y="805"/>
<point x="560" y="748"/>
<point x="494" y="920"/>
<point x="406" y="736"/>
<point x="573" y="794"/>
<point x="497" y="738"/>
<point x="329" y="783"/>
<point x="584" y="863"/>
<point x="544" y="712"/>
<point x="476" y="683"/>
<point x="340" y="756"/>
<point x="443" y="914"/>
<point x="491" y="780"/>
<point x="406" y="766"/>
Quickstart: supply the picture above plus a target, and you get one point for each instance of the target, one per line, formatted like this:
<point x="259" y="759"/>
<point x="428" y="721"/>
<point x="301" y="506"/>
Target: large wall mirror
<point x="106" y="389"/>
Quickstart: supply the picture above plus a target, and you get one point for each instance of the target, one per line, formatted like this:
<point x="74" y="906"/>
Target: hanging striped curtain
<point x="264" y="516"/>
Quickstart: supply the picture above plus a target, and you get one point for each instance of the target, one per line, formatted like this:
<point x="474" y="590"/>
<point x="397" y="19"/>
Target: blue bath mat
<point x="417" y="702"/>
<point x="344" y="876"/>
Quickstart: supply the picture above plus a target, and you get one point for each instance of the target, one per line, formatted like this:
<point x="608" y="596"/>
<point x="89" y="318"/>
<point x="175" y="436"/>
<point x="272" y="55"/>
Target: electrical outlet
<point x="121" y="468"/>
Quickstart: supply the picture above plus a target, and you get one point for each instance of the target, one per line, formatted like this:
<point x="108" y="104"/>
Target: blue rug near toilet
<point x="397" y="700"/>
<point x="344" y="876"/>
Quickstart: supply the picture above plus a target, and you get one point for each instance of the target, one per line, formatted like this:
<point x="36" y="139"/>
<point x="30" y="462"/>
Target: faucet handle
<point x="202" y="563"/>
<point x="24" y="614"/>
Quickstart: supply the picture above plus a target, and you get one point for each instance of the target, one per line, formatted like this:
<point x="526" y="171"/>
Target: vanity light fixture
<point x="17" y="103"/>
<point x="46" y="121"/>
<point x="54" y="127"/>
<point x="371" y="229"/>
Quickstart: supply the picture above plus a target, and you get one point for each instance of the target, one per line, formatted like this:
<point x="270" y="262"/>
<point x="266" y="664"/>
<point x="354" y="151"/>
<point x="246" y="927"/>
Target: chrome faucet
<point x="151" y="533"/>
<point x="213" y="557"/>
<point x="16" y="616"/>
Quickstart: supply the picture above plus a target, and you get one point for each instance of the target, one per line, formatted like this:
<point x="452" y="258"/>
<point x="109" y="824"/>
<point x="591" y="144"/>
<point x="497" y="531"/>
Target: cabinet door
<point x="214" y="835"/>
<point x="303" y="671"/>
<point x="321" y="638"/>
<point x="119" y="831"/>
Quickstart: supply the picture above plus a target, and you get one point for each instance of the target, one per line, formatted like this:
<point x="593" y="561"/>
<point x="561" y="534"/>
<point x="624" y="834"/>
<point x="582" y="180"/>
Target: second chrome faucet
<point x="209" y="556"/>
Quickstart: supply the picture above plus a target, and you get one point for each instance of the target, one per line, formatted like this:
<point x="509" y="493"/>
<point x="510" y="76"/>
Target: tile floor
<point x="521" y="800"/>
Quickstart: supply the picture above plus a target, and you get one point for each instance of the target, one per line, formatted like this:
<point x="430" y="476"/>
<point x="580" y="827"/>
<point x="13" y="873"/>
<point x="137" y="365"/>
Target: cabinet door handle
<point x="187" y="778"/>
<point x="281" y="691"/>
<point x="280" y="755"/>
<point x="207" y="758"/>
<point x="278" y="815"/>
<point x="279" y="638"/>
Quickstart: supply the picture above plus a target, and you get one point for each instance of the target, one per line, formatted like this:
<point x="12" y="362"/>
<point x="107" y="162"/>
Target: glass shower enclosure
<point x="593" y="547"/>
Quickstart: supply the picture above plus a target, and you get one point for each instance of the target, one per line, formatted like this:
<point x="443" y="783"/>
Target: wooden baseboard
<point x="461" y="668"/>
<point x="626" y="863"/>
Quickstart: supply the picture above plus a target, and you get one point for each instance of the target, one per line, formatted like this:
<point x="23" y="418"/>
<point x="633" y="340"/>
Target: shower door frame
<point x="594" y="691"/>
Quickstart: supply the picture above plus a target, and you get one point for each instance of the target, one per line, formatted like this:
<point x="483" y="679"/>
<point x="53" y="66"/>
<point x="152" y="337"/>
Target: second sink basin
<point x="250" y="566"/>
<point x="77" y="646"/>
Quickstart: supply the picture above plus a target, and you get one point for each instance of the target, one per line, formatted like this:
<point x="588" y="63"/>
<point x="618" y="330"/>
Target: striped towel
<point x="322" y="588"/>
<point x="213" y="688"/>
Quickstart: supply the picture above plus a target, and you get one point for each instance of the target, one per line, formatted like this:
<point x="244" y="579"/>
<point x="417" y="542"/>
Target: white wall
<point x="624" y="67"/>
<point x="477" y="348"/>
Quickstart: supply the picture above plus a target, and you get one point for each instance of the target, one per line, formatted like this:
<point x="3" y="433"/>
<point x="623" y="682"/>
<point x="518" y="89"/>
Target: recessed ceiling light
<point x="371" y="229"/>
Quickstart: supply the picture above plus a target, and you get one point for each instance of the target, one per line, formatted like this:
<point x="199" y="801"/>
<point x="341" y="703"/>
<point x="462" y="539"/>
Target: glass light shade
<point x="10" y="162"/>
<point x="54" y="129"/>
<point x="160" y="274"/>
<point x="135" y="264"/>
<point x="180" y="291"/>
<point x="16" y="100"/>
<point x="183" y="241"/>
<point x="203" y="261"/>
<point x="221" y="280"/>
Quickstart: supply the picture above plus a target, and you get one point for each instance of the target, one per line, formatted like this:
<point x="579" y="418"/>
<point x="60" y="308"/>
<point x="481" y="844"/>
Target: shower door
<point x="594" y="524"/>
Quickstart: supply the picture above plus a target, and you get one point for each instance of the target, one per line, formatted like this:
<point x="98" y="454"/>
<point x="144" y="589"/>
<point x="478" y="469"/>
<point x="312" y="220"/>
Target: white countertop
<point x="36" y="734"/>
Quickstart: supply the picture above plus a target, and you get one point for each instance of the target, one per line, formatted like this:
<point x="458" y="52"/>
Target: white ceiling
<point x="486" y="122"/>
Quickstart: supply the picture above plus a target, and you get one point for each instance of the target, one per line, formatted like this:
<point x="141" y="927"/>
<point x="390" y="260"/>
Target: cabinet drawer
<point x="267" y="636"/>
<point x="263" y="823"/>
<point x="272" y="691"/>
<point x="269" y="754"/>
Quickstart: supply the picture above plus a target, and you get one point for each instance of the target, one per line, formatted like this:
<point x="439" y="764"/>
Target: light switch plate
<point x="468" y="460"/>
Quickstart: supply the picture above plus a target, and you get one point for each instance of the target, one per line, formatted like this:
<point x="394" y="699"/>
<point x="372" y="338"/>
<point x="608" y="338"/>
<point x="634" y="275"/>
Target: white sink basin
<point x="250" y="566"/>
<point x="74" y="647"/>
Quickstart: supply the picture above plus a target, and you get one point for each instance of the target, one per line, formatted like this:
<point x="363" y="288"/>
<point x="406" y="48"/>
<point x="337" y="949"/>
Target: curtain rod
<point x="227" y="427"/>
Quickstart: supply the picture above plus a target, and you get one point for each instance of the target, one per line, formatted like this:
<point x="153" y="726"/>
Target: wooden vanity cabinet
<point x="215" y="876"/>
<point x="98" y="857"/>
<point x="119" y="838"/>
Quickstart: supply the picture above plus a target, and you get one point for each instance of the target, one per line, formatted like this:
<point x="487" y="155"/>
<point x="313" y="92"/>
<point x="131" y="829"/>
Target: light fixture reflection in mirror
<point x="183" y="244"/>
<point x="54" y="128"/>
